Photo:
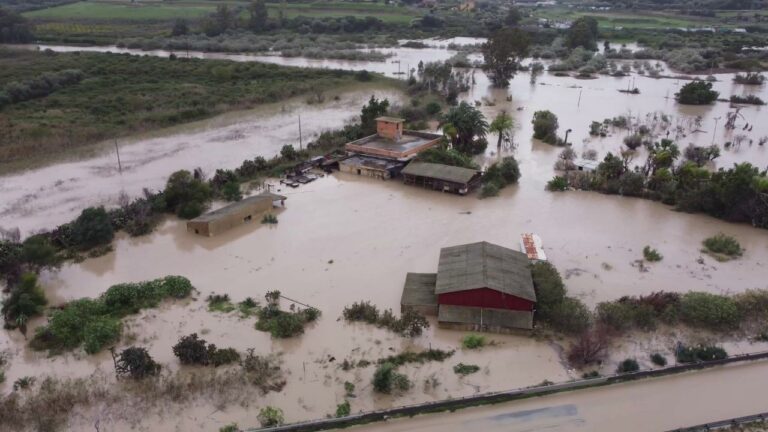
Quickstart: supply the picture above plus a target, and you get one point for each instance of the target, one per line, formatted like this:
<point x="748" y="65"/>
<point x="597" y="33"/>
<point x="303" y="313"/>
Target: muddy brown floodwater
<point x="345" y="238"/>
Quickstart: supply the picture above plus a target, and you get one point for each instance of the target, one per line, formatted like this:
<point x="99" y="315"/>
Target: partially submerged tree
<point x="25" y="301"/>
<point x="502" y="125"/>
<point x="374" y="109"/>
<point x="466" y="128"/>
<point x="92" y="228"/>
<point x="583" y="33"/>
<point x="135" y="363"/>
<point x="502" y="54"/>
<point x="697" y="92"/>
<point x="545" y="126"/>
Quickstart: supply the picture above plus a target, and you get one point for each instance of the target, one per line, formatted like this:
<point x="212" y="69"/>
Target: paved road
<point x="656" y="404"/>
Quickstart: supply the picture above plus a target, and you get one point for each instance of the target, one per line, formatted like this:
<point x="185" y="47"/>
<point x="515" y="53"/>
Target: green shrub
<point x="433" y="108"/>
<point x="696" y="92"/>
<point x="269" y="218"/>
<point x="25" y="301"/>
<point x="473" y="341"/>
<point x="386" y="379"/>
<point x="343" y="409"/>
<point x="752" y="303"/>
<point x="232" y="427"/>
<point x="349" y="388"/>
<point x="724" y="245"/>
<point x="658" y="359"/>
<point x="192" y="350"/>
<point x="281" y="324"/>
<point x="220" y="303"/>
<point x="700" y="353"/>
<point x="136" y="363"/>
<point x="545" y="126"/>
<point x="410" y="323"/>
<point x="552" y="305"/>
<point x="465" y="369"/>
<point x="99" y="332"/>
<point x="186" y="195"/>
<point x="222" y="356"/>
<point x="557" y="184"/>
<point x="361" y="311"/>
<point x="92" y="228"/>
<point x="269" y="417"/>
<point x="570" y="316"/>
<point x="713" y="311"/>
<point x="651" y="255"/>
<point x="627" y="366"/>
<point x="490" y="189"/>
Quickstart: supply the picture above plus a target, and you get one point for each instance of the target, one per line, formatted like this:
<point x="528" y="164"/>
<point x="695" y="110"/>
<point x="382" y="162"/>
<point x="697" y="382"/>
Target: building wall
<point x="486" y="298"/>
<point x="363" y="170"/>
<point x="389" y="130"/>
<point x="249" y="214"/>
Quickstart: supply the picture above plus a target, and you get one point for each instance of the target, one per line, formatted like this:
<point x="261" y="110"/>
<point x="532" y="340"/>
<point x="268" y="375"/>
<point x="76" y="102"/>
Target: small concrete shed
<point x="233" y="215"/>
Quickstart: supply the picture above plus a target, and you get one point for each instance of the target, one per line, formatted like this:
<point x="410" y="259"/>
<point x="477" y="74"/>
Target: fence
<point x="501" y="396"/>
<point x="746" y="420"/>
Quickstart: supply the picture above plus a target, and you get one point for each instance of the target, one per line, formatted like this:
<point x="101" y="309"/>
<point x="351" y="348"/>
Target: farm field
<point x="610" y="20"/>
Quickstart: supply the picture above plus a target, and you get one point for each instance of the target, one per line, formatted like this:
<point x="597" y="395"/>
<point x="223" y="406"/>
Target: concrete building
<point x="391" y="141"/>
<point x="369" y="166"/>
<point x="441" y="177"/>
<point x="233" y="215"/>
<point x="477" y="287"/>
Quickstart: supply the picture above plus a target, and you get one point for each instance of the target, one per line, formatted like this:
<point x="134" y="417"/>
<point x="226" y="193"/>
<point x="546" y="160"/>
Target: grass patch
<point x="96" y="323"/>
<point x="722" y="247"/>
<point x="465" y="369"/>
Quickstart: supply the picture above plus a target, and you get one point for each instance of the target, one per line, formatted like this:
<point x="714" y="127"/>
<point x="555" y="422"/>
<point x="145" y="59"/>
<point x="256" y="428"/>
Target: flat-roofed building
<point x="238" y="213"/>
<point x="391" y="141"/>
<point x="441" y="177"/>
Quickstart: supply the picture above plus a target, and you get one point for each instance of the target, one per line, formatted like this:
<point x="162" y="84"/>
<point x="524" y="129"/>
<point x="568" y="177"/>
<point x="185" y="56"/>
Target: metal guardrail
<point x="738" y="421"/>
<point x="500" y="396"/>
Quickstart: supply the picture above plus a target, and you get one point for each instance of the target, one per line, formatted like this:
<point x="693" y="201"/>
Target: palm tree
<point x="465" y="123"/>
<point x="502" y="125"/>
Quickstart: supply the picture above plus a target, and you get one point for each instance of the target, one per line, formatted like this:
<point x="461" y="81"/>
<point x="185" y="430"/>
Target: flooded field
<point x="345" y="238"/>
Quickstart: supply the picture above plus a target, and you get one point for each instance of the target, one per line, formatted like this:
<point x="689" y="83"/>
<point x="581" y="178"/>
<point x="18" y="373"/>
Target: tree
<point x="583" y="33"/>
<point x="14" y="28"/>
<point x="38" y="252"/>
<point x="25" y="301"/>
<point x="513" y="17"/>
<point x="545" y="126"/>
<point x="288" y="152"/>
<point x="502" y="125"/>
<point x="180" y="27"/>
<point x="466" y="127"/>
<point x="374" y="109"/>
<point x="697" y="92"/>
<point x="186" y="195"/>
<point x="92" y="228"/>
<point x="502" y="54"/>
<point x="258" y="16"/>
<point x="136" y="363"/>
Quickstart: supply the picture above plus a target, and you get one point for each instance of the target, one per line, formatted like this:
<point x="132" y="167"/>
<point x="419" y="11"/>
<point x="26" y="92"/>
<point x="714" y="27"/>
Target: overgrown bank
<point x="46" y="112"/>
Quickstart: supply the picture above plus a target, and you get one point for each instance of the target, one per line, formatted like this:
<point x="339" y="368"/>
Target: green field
<point x="639" y="20"/>
<point x="153" y="11"/>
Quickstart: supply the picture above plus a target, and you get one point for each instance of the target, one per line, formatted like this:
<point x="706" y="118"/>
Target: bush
<point x="433" y="108"/>
<point x="499" y="175"/>
<point x="589" y="348"/>
<point x="281" y="324"/>
<point x="697" y="93"/>
<point x="465" y="369"/>
<point x="92" y="228"/>
<point x="627" y="366"/>
<point x="658" y="359"/>
<point x="545" y="126"/>
<point x="417" y="357"/>
<point x="722" y="244"/>
<point x="747" y="99"/>
<point x="557" y="184"/>
<point x="446" y="156"/>
<point x="192" y="350"/>
<point x="186" y="195"/>
<point x="473" y="341"/>
<point x="232" y="427"/>
<point x="633" y="142"/>
<point x="343" y="409"/>
<point x="713" y="311"/>
<point x="410" y="323"/>
<point x="651" y="255"/>
<point x="490" y="189"/>
<point x="96" y="323"/>
<point x="570" y="316"/>
<point x="700" y="353"/>
<point x="136" y="363"/>
<point x="27" y="300"/>
<point x="386" y="379"/>
<point x="269" y="218"/>
<point x="549" y="287"/>
<point x="269" y="417"/>
<point x="751" y="78"/>
<point x="361" y="311"/>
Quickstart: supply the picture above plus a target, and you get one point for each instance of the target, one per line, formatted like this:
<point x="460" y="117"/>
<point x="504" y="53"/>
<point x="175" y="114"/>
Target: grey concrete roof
<point x="419" y="290"/>
<point x="484" y="265"/>
<point x="439" y="171"/>
<point x="237" y="206"/>
<point x="485" y="317"/>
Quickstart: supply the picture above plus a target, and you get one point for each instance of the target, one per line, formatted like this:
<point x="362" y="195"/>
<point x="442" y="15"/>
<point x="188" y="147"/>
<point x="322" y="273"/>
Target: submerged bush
<point x="699" y="353"/>
<point x="343" y="409"/>
<point x="96" y="322"/>
<point x="465" y="369"/>
<point x="270" y="416"/>
<point x="136" y="363"/>
<point x="651" y="255"/>
<point x="192" y="350"/>
<point x="557" y="184"/>
<point x="417" y="357"/>
<point x="410" y="323"/>
<point x="27" y="300"/>
<point x="473" y="341"/>
<point x="697" y="92"/>
<point x="627" y="366"/>
<point x="722" y="244"/>
<point x="386" y="379"/>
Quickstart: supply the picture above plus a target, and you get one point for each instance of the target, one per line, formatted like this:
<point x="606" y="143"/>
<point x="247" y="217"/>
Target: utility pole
<point x="713" y="130"/>
<point x="119" y="164"/>
<point x="579" y="101"/>
<point x="300" y="140"/>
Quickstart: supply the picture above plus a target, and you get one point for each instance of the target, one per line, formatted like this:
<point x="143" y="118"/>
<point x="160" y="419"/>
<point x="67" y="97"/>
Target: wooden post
<point x="119" y="164"/>
<point x="300" y="141"/>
